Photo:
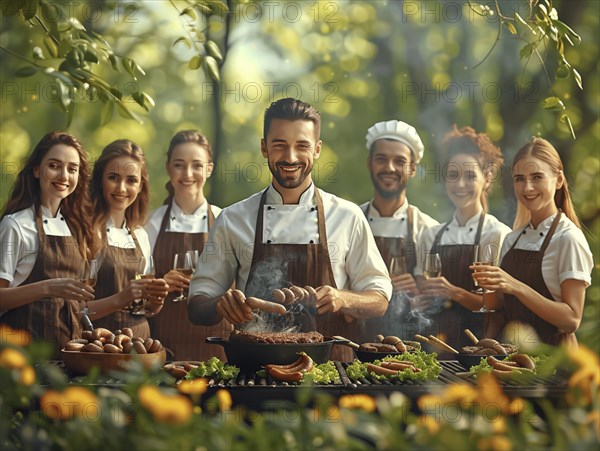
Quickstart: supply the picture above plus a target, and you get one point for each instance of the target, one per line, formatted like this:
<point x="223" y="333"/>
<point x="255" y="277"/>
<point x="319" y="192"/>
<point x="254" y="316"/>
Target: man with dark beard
<point x="291" y="233"/>
<point x="395" y="149"/>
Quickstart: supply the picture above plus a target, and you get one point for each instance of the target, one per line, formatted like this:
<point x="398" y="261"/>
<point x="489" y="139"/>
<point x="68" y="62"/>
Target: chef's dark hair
<point x="292" y="110"/>
<point x="182" y="137"/>
<point x="74" y="208"/>
<point x="467" y="141"/>
<point x="544" y="151"/>
<point x="135" y="215"/>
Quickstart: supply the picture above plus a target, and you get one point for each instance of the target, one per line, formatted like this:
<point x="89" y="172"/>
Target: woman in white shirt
<point x="546" y="261"/>
<point x="119" y="194"/>
<point x="44" y="236"/>
<point x="180" y="225"/>
<point x="471" y="162"/>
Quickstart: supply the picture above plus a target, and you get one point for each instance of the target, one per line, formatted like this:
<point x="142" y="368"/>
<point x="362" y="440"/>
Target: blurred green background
<point x="359" y="62"/>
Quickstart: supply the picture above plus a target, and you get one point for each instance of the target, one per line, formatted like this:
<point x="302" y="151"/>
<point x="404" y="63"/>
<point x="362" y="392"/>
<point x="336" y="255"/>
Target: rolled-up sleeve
<point x="217" y="265"/>
<point x="365" y="268"/>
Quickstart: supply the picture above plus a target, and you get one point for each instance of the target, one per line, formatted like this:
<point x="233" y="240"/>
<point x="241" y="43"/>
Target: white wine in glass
<point x="145" y="271"/>
<point x="183" y="264"/>
<point x="483" y="255"/>
<point x="432" y="266"/>
<point x="88" y="276"/>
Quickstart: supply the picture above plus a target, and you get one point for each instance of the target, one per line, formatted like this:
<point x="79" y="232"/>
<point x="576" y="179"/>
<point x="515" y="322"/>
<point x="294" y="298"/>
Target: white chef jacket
<point x="568" y="255"/>
<point x="120" y="237"/>
<point x="19" y="241"/>
<point x="197" y="222"/>
<point x="398" y="227"/>
<point x="493" y="231"/>
<point x="227" y="255"/>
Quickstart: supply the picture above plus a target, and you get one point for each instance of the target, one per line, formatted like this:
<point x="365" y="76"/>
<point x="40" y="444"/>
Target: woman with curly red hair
<point x="472" y="162"/>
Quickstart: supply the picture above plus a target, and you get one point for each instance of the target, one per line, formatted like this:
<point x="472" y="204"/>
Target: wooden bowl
<point x="82" y="362"/>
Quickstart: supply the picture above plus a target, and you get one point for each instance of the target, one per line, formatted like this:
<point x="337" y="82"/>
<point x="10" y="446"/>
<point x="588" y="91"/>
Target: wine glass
<point x="194" y="255"/>
<point x="397" y="266"/>
<point x="483" y="255"/>
<point x="432" y="266"/>
<point x="88" y="276"/>
<point x="145" y="271"/>
<point x="183" y="264"/>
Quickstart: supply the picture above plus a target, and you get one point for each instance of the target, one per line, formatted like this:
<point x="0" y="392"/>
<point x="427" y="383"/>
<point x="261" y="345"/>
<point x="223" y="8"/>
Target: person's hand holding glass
<point x="402" y="280"/>
<point x="184" y="265"/>
<point x="88" y="276"/>
<point x="483" y="255"/>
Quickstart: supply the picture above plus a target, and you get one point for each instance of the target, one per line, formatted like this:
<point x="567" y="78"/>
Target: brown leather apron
<point x="300" y="264"/>
<point x="456" y="259"/>
<point x="53" y="319"/>
<point x="172" y="325"/>
<point x="526" y="266"/>
<point x="119" y="267"/>
<point x="397" y="319"/>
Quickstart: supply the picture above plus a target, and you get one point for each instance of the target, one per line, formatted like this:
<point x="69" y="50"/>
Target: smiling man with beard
<point x="395" y="149"/>
<point x="292" y="232"/>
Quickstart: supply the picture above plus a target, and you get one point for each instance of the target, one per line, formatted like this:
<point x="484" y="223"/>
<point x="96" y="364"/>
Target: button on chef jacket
<point x="19" y="241"/>
<point x="197" y="222"/>
<point x="227" y="255"/>
<point x="493" y="231"/>
<point x="568" y="255"/>
<point x="396" y="226"/>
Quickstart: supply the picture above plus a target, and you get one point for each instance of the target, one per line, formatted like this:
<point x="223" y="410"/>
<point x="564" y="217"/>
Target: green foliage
<point x="72" y="59"/>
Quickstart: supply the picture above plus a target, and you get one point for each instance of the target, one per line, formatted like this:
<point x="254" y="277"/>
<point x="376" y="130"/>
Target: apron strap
<point x="550" y="232"/>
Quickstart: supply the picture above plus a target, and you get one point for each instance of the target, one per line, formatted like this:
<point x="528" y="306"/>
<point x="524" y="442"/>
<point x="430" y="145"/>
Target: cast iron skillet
<point x="253" y="356"/>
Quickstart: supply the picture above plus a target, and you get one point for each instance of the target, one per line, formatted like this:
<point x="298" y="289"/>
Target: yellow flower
<point x="80" y="401"/>
<point x="462" y="394"/>
<point x="11" y="358"/>
<point x="193" y="387"/>
<point x="499" y="425"/>
<point x="430" y="423"/>
<point x="494" y="443"/>
<point x="224" y="398"/>
<point x="165" y="408"/>
<point x="358" y="401"/>
<point x="15" y="337"/>
<point x="587" y="378"/>
<point x="149" y="396"/>
<point x="490" y="396"/>
<point x="176" y="409"/>
<point x="27" y="375"/>
<point x="430" y="402"/>
<point x="516" y="406"/>
<point x="74" y="401"/>
<point x="52" y="405"/>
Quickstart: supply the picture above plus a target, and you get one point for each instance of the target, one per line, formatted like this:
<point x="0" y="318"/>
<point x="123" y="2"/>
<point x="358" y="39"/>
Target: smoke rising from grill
<point x="267" y="276"/>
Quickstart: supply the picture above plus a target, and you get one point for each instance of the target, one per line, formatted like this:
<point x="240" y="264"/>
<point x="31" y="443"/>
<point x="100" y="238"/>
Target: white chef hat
<point x="398" y="131"/>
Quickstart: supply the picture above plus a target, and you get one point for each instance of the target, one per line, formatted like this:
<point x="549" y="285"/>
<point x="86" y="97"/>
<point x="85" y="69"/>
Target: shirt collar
<point x="274" y="198"/>
<point x="178" y="212"/>
<point x="111" y="224"/>
<point x="472" y="222"/>
<point x="47" y="214"/>
<point x="544" y="225"/>
<point x="399" y="213"/>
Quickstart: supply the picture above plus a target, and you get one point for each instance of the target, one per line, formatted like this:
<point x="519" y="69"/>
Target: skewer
<point x="350" y="342"/>
<point x="446" y="346"/>
<point x="471" y="336"/>
<point x="422" y="338"/>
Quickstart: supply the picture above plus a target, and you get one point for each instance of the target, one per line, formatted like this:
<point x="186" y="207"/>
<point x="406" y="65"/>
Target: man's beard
<point x="388" y="193"/>
<point x="290" y="182"/>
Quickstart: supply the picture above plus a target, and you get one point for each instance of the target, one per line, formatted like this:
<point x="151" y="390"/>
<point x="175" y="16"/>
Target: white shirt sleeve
<point x="152" y="227"/>
<point x="365" y="268"/>
<point x="217" y="266"/>
<point x="575" y="260"/>
<point x="19" y="246"/>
